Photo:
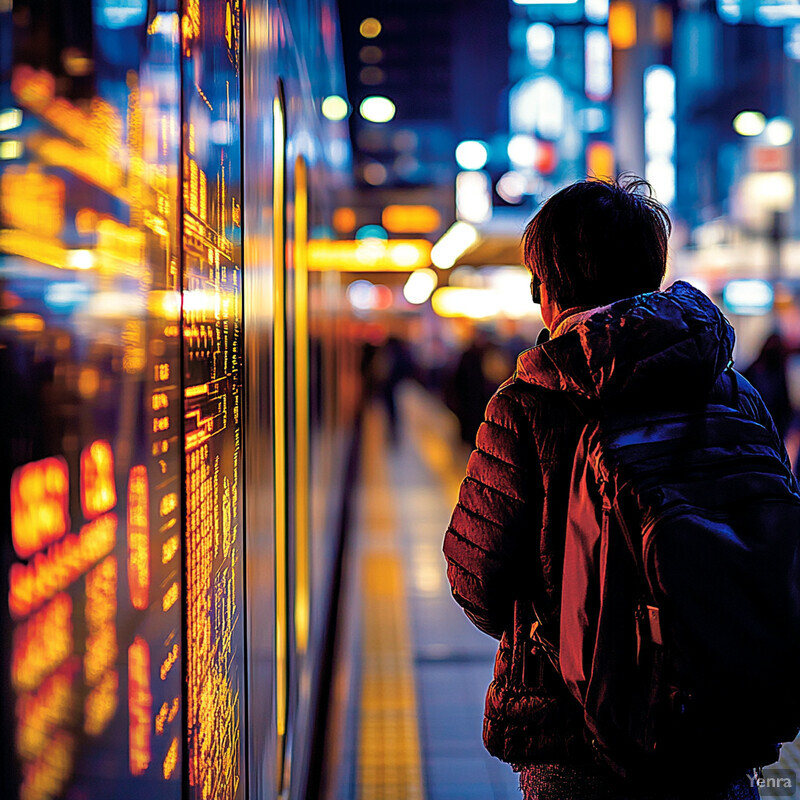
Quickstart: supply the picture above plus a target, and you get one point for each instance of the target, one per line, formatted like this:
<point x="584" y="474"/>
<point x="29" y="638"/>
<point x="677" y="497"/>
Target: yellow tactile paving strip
<point x="389" y="763"/>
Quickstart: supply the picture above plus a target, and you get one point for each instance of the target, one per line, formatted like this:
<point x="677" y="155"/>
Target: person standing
<point x="768" y="375"/>
<point x="615" y="343"/>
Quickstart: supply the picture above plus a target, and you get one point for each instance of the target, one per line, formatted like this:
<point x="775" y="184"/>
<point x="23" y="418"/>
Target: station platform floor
<point x="413" y="671"/>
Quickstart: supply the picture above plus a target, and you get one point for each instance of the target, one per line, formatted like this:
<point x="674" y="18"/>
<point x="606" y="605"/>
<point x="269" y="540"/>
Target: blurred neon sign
<point x="748" y="297"/>
<point x="411" y="219"/>
<point x="101" y="646"/>
<point x="659" y="131"/>
<point x="540" y="40"/>
<point x="98" y="492"/>
<point x="101" y="130"/>
<point x="596" y="11"/>
<point x="42" y="644"/>
<point x="42" y="712"/>
<point x="115" y="14"/>
<point x="39" y="504"/>
<point x="32" y="201"/>
<point x="597" y="50"/>
<point x="140" y="706"/>
<point x="537" y="104"/>
<point x="138" y="537"/>
<point x="367" y="255"/>
<point x="764" y="12"/>
<point x="33" y="584"/>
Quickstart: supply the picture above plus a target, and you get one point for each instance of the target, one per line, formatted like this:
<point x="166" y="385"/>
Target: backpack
<point x="680" y="608"/>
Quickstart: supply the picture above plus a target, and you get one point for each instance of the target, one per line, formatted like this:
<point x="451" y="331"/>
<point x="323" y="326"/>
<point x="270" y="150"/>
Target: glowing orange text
<point x="42" y="644"/>
<point x="138" y="538"/>
<point x="98" y="492"/>
<point x="32" y="584"/>
<point x="140" y="705"/>
<point x="39" y="504"/>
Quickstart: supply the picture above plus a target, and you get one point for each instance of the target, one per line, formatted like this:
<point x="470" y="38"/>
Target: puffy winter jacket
<point x="504" y="545"/>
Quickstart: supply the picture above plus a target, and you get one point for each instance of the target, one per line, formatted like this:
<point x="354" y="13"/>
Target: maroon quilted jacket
<point x="504" y="545"/>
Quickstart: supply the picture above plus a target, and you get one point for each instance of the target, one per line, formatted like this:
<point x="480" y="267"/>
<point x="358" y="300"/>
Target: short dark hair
<point x="598" y="241"/>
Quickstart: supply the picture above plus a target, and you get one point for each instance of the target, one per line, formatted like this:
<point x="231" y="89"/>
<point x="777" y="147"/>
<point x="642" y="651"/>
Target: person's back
<point x="617" y="343"/>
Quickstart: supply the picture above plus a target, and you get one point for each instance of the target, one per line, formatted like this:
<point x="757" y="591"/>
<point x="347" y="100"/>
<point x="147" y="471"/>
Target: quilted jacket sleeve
<point x="493" y="520"/>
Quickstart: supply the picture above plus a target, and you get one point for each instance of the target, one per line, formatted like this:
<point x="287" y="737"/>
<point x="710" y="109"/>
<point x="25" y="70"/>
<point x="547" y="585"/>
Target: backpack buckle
<point x="654" y="621"/>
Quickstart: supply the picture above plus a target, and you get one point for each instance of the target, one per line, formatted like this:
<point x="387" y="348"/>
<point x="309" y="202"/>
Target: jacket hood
<point x="668" y="345"/>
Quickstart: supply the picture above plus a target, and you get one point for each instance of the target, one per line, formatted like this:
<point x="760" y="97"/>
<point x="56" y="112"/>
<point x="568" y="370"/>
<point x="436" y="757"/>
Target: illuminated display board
<point x="122" y="598"/>
<point x="90" y="348"/>
<point x="212" y="400"/>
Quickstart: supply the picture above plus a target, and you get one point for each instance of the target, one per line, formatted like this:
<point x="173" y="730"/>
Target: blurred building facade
<point x="493" y="106"/>
<point x="442" y="65"/>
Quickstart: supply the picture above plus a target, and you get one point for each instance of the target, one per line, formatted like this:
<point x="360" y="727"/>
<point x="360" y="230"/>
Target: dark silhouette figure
<point x="468" y="392"/>
<point x="383" y="367"/>
<point x="768" y="375"/>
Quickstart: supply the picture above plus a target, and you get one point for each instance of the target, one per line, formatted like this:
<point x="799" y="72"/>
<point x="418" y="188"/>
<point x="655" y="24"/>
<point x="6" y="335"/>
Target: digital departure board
<point x="212" y="399"/>
<point x="125" y="428"/>
<point x="120" y="328"/>
<point x="89" y="327"/>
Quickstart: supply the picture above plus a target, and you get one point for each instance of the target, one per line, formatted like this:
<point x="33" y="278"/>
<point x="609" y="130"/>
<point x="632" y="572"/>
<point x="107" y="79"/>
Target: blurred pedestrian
<point x="467" y="392"/>
<point x="768" y="374"/>
<point x="481" y="368"/>
<point x="390" y="366"/>
<point x="615" y="345"/>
